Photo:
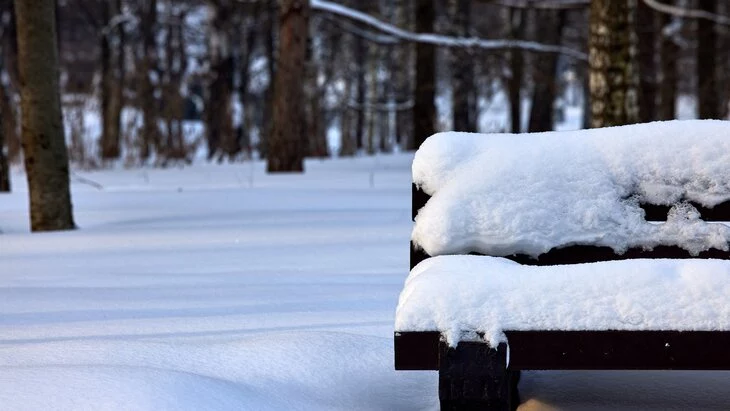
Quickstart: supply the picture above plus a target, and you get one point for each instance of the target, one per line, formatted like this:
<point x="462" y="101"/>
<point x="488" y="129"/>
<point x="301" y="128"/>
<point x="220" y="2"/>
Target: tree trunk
<point x="612" y="54"/>
<point x="111" y="84"/>
<point x="361" y="58"/>
<point x="4" y="167"/>
<point x="463" y="70"/>
<point x="707" y="101"/>
<point x="267" y="126"/>
<point x="148" y="102"/>
<point x="424" y="106"/>
<point x="646" y="29"/>
<point x="668" y="90"/>
<point x="286" y="148"/>
<point x="44" y="147"/>
<point x="221" y="139"/>
<point x="550" y="25"/>
<point x="518" y="22"/>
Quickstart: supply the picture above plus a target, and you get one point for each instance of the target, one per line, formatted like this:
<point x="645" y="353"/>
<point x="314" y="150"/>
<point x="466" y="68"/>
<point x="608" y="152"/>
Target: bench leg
<point x="473" y="376"/>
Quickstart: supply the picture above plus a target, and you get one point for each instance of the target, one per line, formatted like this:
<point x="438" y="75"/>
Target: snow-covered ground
<point x="219" y="287"/>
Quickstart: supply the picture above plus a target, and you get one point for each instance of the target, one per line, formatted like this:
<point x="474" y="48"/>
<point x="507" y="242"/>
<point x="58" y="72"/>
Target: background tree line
<point x="154" y="82"/>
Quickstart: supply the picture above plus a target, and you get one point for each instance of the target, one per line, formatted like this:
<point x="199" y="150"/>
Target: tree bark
<point x="44" y="147"/>
<point x="111" y="83"/>
<point x="424" y="108"/>
<point x="646" y="29"/>
<point x="707" y="100"/>
<point x="267" y="126"/>
<point x="148" y="102"/>
<point x="286" y="148"/>
<point x="221" y="139"/>
<point x="612" y="54"/>
<point x="668" y="90"/>
<point x="4" y="167"/>
<point x="550" y="25"/>
<point x="463" y="71"/>
<point x="518" y="20"/>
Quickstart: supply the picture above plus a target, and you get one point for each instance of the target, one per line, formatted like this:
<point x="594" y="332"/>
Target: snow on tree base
<point x="501" y="194"/>
<point x="454" y="294"/>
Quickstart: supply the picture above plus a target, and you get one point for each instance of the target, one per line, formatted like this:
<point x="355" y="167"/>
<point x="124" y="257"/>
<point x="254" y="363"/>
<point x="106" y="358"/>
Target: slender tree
<point x="44" y="148"/>
<point x="550" y="25"/>
<point x="286" y="145"/>
<point x="424" y="108"/>
<point x="111" y="79"/>
<point x="517" y="26"/>
<point x="669" y="53"/>
<point x="612" y="54"/>
<point x="463" y="116"/>
<point x="707" y="93"/>
<point x="648" y="71"/>
<point x="4" y="168"/>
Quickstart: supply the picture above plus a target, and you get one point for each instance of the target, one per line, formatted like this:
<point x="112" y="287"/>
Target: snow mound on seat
<point x="452" y="294"/>
<point x="503" y="194"/>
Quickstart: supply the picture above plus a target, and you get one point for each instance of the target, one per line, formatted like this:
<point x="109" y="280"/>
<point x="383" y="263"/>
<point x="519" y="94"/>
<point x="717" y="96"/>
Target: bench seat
<point x="461" y="293"/>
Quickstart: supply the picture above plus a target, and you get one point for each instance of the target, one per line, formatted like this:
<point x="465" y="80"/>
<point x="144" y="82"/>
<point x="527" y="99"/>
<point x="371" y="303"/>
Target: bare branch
<point x="687" y="13"/>
<point x="441" y="40"/>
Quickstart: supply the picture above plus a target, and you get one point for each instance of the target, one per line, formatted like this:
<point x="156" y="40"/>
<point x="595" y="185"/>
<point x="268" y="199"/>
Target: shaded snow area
<point x="222" y="288"/>
<point x="502" y="194"/>
<point x="492" y="294"/>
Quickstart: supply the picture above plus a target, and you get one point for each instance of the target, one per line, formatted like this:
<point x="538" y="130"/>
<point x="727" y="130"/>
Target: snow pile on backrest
<point x="502" y="194"/>
<point x="460" y="293"/>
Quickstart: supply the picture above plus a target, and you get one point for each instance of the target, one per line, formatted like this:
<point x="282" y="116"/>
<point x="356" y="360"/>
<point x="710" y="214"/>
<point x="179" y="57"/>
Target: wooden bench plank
<point x="586" y="350"/>
<point x="579" y="254"/>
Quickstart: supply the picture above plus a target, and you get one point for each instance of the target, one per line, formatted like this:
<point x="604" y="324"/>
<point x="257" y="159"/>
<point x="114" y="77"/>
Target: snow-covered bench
<point x="618" y="257"/>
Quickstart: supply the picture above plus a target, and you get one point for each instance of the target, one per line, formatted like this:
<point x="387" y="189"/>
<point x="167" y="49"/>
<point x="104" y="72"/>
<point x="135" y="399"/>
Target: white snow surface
<point x="218" y="287"/>
<point x="501" y="194"/>
<point x="453" y="294"/>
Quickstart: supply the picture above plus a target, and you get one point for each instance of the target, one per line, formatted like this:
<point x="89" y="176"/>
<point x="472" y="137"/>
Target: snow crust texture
<point x="492" y="294"/>
<point x="501" y="194"/>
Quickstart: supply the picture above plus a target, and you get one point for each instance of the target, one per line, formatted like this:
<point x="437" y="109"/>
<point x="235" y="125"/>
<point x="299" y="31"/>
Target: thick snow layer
<point x="501" y="194"/>
<point x="492" y="294"/>
<point x="219" y="287"/>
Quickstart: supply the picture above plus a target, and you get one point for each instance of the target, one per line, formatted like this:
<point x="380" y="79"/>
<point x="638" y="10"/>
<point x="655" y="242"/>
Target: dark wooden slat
<point x="417" y="255"/>
<point x="590" y="350"/>
<point x="579" y="254"/>
<point x="720" y="212"/>
<point x="418" y="200"/>
<point x="619" y="350"/>
<point x="417" y="350"/>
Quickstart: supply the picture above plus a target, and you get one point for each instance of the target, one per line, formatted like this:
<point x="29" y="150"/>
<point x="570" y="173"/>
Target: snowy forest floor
<point x="220" y="287"/>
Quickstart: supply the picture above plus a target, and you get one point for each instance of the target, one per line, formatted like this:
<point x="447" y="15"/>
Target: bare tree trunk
<point x="287" y="138"/>
<point x="111" y="83"/>
<point x="518" y="22"/>
<point x="44" y="147"/>
<point x="550" y="25"/>
<point x="612" y="55"/>
<point x="4" y="167"/>
<point x="462" y="70"/>
<point x="267" y="126"/>
<point x="424" y="108"/>
<point x="148" y="102"/>
<point x="348" y="147"/>
<point x="10" y="64"/>
<point x="668" y="90"/>
<point x="361" y="59"/>
<point x="707" y="101"/>
<point x="646" y="29"/>
<point x="222" y="140"/>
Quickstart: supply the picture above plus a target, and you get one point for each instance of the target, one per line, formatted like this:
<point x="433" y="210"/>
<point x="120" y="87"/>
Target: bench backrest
<point x="586" y="253"/>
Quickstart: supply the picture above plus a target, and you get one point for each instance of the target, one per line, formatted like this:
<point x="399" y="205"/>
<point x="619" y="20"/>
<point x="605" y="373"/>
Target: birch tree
<point x="613" y="79"/>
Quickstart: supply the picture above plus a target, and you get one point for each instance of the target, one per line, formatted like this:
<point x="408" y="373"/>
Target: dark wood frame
<point x="474" y="375"/>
